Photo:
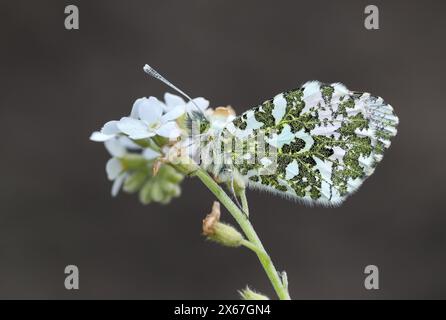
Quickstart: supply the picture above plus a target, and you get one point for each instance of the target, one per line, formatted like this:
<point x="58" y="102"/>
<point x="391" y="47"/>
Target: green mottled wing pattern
<point x="327" y="139"/>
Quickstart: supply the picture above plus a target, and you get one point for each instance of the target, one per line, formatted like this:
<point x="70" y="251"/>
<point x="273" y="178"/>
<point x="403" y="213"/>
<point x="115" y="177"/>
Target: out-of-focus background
<point x="57" y="86"/>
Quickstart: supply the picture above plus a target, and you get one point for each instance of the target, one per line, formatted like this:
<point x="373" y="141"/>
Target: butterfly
<point x="318" y="143"/>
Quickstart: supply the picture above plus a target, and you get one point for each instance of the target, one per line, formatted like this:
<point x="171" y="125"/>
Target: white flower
<point x="173" y="102"/>
<point x="108" y="131"/>
<point x="115" y="170"/>
<point x="147" y="120"/>
<point x="150" y="154"/>
<point x="118" y="148"/>
<point x="150" y="117"/>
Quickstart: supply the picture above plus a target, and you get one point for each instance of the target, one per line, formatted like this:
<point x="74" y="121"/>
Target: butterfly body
<point x="317" y="143"/>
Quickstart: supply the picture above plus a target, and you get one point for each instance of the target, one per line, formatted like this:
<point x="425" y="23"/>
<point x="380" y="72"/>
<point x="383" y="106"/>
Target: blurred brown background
<point x="57" y="86"/>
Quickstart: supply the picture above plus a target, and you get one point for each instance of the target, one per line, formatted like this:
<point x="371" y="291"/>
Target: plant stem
<point x="248" y="244"/>
<point x="245" y="206"/>
<point x="249" y="231"/>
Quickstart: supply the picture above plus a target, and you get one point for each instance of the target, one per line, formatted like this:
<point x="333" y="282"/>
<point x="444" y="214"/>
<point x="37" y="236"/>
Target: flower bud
<point x="220" y="232"/>
<point x="157" y="193"/>
<point x="135" y="181"/>
<point x="133" y="161"/>
<point x="248" y="294"/>
<point x="145" y="194"/>
<point x="162" y="187"/>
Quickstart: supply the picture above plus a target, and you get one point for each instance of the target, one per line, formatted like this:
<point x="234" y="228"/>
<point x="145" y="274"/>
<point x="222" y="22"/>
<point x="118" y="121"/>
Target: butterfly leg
<point x="242" y="206"/>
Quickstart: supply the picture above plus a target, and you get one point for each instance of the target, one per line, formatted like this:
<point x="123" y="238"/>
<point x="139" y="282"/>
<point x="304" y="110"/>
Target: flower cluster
<point x="150" y="117"/>
<point x="154" y="147"/>
<point x="139" y="143"/>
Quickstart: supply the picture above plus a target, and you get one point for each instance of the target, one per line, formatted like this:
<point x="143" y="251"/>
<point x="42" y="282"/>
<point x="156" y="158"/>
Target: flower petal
<point x="151" y="110"/>
<point x="115" y="148"/>
<point x="201" y="103"/>
<point x="128" y="143"/>
<point x="117" y="184"/>
<point x="113" y="168"/>
<point x="169" y="130"/>
<point x="150" y="154"/>
<point x="173" y="114"/>
<point x="172" y="101"/>
<point x="135" y="129"/>
<point x="110" y="128"/>
<point x="100" y="137"/>
<point x="108" y="131"/>
<point x="135" y="108"/>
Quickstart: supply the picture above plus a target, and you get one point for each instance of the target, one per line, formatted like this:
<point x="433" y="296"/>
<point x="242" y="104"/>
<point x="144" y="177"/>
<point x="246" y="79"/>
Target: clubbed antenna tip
<point x="152" y="72"/>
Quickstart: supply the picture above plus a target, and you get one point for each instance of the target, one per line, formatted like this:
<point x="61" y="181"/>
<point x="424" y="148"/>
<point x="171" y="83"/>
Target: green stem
<point x="249" y="231"/>
<point x="245" y="206"/>
<point x="251" y="246"/>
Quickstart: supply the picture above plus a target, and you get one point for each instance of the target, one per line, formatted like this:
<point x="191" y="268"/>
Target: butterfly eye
<point x="204" y="127"/>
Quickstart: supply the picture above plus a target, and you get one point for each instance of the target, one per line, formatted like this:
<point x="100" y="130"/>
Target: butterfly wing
<point x="327" y="140"/>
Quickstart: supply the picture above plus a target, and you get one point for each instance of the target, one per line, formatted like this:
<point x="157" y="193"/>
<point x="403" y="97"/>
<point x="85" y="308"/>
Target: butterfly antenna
<point x="152" y="72"/>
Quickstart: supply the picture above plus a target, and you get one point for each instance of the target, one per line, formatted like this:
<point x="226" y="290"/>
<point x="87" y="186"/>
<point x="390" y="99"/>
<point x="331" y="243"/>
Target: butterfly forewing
<point x="322" y="141"/>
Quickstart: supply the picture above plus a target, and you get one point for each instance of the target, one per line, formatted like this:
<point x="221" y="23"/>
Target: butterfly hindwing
<point x="327" y="140"/>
